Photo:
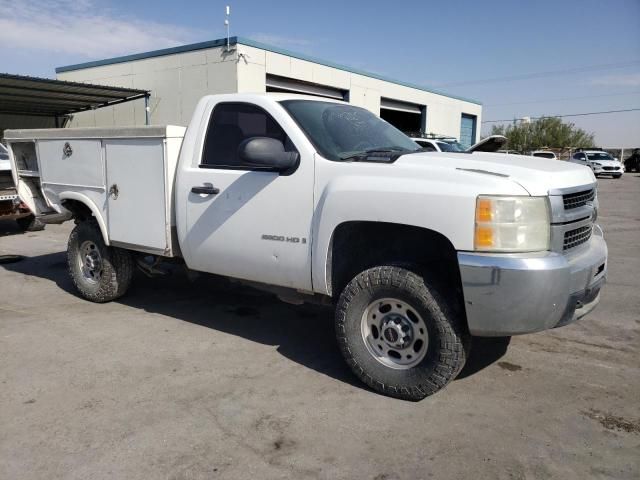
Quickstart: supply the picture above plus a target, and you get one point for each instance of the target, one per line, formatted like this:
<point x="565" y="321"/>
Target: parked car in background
<point x="489" y="144"/>
<point x="510" y="152"/>
<point x="11" y="208"/>
<point x="600" y="162"/>
<point x="632" y="163"/>
<point x="441" y="144"/>
<point x="544" y="154"/>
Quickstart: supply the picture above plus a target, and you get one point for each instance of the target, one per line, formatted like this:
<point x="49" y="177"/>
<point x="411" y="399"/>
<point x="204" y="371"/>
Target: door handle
<point x="206" y="190"/>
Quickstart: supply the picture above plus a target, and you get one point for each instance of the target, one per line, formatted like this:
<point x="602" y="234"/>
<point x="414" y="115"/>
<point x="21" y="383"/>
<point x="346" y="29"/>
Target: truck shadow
<point x="9" y="227"/>
<point x="303" y="334"/>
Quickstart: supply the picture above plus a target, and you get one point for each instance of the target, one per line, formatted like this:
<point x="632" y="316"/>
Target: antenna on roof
<point x="226" y="24"/>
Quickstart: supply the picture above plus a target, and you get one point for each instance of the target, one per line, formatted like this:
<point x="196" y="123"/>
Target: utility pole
<point x="226" y="24"/>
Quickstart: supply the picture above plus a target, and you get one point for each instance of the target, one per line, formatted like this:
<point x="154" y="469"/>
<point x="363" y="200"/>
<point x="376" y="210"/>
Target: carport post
<point x="423" y="119"/>
<point x="146" y="109"/>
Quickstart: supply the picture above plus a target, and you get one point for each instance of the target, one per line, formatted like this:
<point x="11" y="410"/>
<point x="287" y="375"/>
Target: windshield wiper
<point x="373" y="151"/>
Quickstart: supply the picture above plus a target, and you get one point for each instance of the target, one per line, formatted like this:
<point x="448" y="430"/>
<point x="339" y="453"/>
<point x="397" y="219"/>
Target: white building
<point x="178" y="77"/>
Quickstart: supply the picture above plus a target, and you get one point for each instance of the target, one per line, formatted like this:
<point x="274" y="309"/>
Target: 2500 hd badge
<point x="282" y="238"/>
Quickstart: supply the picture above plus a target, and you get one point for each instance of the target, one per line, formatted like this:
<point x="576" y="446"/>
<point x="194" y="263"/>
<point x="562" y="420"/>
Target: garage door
<point x="468" y="130"/>
<point x="407" y="117"/>
<point x="290" y="85"/>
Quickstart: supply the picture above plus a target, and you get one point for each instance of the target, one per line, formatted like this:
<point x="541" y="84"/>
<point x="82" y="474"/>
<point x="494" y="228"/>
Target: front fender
<point x="441" y="205"/>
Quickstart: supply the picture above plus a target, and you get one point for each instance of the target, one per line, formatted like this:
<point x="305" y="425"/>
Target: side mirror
<point x="267" y="153"/>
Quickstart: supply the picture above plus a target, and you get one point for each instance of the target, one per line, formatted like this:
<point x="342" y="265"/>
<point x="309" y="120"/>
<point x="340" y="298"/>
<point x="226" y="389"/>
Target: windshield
<point x="544" y="154"/>
<point x="451" y="147"/>
<point x="599" y="156"/>
<point x="4" y="154"/>
<point x="340" y="131"/>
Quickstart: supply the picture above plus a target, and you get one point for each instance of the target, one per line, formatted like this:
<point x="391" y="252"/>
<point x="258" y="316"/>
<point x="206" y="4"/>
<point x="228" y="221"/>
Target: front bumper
<point x="512" y="294"/>
<point x="599" y="170"/>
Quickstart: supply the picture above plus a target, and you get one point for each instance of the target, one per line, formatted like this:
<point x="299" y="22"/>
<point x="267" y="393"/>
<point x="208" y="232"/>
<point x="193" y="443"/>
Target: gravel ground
<point x="204" y="380"/>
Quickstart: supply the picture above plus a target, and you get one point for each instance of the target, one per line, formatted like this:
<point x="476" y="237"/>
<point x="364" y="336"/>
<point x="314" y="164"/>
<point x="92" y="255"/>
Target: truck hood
<point x="534" y="174"/>
<point x="5" y="165"/>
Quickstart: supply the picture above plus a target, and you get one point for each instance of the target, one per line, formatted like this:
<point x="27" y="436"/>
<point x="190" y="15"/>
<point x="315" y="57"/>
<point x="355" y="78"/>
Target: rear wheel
<point x="398" y="334"/>
<point x="100" y="273"/>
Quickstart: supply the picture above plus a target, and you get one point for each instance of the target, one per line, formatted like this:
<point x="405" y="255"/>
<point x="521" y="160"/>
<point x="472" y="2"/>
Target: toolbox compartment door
<point x="136" y="194"/>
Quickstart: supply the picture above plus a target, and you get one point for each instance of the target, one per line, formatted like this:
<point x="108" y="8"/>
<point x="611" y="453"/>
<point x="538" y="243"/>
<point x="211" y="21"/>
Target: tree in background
<point x="545" y="132"/>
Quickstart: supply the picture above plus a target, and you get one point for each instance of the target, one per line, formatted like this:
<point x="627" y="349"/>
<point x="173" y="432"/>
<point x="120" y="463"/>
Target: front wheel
<point x="398" y="334"/>
<point x="100" y="273"/>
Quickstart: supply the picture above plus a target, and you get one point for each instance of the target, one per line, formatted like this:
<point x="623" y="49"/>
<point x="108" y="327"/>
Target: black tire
<point x="30" y="224"/>
<point x="448" y="338"/>
<point x="116" y="264"/>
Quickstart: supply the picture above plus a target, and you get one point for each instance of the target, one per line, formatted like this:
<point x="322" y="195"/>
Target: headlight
<point x="512" y="224"/>
<point x="596" y="164"/>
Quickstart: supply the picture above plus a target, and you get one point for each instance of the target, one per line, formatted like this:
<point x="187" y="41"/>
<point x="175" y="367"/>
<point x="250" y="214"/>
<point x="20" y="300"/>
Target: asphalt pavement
<point x="202" y="379"/>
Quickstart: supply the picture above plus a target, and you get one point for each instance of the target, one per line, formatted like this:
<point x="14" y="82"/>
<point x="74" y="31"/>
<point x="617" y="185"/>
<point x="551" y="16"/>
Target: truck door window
<point x="229" y="126"/>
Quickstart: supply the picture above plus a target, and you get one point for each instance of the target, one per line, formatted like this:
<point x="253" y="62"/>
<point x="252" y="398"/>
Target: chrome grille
<point x="577" y="236"/>
<point x="578" y="199"/>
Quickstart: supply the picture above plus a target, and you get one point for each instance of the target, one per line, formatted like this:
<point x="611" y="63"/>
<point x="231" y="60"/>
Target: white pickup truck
<point x="319" y="200"/>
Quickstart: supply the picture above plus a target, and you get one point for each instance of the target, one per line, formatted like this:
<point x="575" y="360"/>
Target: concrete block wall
<point x="443" y="113"/>
<point x="177" y="81"/>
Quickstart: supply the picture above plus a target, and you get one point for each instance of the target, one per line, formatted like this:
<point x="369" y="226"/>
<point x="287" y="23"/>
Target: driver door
<point x="242" y="221"/>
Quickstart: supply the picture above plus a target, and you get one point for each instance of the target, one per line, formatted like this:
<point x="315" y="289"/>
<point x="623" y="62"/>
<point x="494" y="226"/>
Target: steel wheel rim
<point x="90" y="262"/>
<point x="394" y="333"/>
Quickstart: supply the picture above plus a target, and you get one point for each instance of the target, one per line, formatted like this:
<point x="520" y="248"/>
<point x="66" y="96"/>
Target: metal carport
<point x="32" y="102"/>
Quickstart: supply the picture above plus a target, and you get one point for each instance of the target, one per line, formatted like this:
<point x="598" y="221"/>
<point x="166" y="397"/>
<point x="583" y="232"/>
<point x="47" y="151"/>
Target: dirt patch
<point x="283" y="443"/>
<point x="512" y="367"/>
<point x="612" y="422"/>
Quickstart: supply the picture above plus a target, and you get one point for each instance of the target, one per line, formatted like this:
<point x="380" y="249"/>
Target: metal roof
<point x="252" y="43"/>
<point x="32" y="96"/>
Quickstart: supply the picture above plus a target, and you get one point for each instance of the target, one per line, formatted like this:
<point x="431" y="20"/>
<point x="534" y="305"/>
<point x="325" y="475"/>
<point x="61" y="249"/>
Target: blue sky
<point x="462" y="47"/>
